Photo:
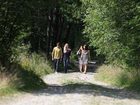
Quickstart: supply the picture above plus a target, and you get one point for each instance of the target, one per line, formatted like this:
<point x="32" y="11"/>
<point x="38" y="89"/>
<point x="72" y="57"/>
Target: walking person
<point x="84" y="58"/>
<point x="66" y="56"/>
<point x="56" y="56"/>
<point x="79" y="52"/>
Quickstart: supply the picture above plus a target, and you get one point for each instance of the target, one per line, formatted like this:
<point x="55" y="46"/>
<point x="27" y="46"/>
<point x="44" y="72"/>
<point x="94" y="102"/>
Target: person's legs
<point x="85" y="68"/>
<point x="68" y="63"/>
<point x="65" y="62"/>
<point x="54" y="64"/>
<point x="57" y="64"/>
<point x="81" y="67"/>
<point x="65" y="65"/>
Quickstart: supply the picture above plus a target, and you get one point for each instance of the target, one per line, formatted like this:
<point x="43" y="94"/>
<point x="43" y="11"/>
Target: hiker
<point x="85" y="55"/>
<point x="66" y="57"/>
<point x="56" y="56"/>
<point x="79" y="57"/>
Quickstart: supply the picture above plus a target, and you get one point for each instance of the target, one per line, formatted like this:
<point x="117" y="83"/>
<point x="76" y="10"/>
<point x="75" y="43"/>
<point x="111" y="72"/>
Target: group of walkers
<point x="59" y="55"/>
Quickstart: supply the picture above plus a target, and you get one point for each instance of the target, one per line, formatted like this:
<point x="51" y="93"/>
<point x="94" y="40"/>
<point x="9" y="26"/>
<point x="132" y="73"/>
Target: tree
<point x="40" y="23"/>
<point x="113" y="27"/>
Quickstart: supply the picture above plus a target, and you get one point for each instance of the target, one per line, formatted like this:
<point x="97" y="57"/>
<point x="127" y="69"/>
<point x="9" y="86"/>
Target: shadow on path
<point x="86" y="88"/>
<point x="89" y="89"/>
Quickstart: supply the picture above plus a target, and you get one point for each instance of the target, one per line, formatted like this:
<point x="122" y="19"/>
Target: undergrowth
<point x="119" y="77"/>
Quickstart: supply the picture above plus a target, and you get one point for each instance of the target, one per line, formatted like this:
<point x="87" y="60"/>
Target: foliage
<point x="40" y="23"/>
<point x="112" y="26"/>
<point x="35" y="62"/>
<point x="25" y="71"/>
<point x="7" y="91"/>
<point x="119" y="77"/>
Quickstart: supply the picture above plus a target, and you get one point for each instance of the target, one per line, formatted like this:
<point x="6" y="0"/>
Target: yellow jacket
<point x="56" y="53"/>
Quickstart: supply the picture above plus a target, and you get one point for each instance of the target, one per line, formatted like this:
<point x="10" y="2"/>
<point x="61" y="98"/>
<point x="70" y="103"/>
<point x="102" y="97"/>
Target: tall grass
<point x="36" y="63"/>
<point x="6" y="83"/>
<point x="32" y="67"/>
<point x="24" y="74"/>
<point x="119" y="77"/>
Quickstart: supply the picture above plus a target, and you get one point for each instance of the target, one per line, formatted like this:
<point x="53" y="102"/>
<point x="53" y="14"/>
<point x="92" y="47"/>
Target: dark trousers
<point x="66" y="62"/>
<point x="56" y="64"/>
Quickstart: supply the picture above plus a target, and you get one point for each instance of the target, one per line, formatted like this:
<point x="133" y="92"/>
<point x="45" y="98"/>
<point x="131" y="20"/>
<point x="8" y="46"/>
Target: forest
<point x="29" y="29"/>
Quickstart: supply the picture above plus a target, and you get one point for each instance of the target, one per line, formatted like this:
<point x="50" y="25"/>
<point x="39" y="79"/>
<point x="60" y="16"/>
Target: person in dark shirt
<point x="66" y="56"/>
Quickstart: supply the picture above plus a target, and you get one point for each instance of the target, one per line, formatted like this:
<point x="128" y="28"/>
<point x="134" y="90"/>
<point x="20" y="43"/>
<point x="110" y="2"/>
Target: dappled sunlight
<point x="76" y="88"/>
<point x="82" y="84"/>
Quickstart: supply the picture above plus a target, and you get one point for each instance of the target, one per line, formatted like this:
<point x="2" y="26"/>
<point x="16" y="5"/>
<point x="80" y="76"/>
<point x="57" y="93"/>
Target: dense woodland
<point x="111" y="27"/>
<point x="38" y="23"/>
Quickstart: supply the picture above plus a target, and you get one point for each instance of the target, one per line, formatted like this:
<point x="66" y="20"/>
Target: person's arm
<point x="78" y="52"/>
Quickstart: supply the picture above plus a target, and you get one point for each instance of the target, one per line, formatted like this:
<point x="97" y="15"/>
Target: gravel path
<point x="75" y="89"/>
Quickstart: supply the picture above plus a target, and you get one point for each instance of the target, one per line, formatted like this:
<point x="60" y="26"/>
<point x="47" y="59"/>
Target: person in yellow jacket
<point x="56" y="56"/>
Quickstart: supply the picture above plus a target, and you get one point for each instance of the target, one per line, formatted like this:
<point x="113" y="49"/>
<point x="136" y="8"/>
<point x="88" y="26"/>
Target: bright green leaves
<point x="113" y="27"/>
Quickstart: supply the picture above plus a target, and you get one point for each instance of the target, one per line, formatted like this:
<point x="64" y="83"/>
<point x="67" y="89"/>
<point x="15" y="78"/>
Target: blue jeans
<point x="66" y="62"/>
<point x="56" y="64"/>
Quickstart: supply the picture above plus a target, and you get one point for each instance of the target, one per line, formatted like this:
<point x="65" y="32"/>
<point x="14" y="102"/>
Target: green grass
<point x="119" y="77"/>
<point x="36" y="63"/>
<point x="31" y="67"/>
<point x="25" y="74"/>
<point x="6" y="84"/>
<point x="8" y="91"/>
<point x="28" y="80"/>
<point x="19" y="80"/>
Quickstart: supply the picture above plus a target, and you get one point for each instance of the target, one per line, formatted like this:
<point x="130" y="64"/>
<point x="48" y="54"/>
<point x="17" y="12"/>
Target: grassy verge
<point x="6" y="84"/>
<point x="8" y="91"/>
<point x="35" y="63"/>
<point x="24" y="75"/>
<point x="118" y="77"/>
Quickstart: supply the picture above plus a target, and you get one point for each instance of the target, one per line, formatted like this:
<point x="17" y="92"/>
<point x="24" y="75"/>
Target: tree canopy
<point x="111" y="26"/>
